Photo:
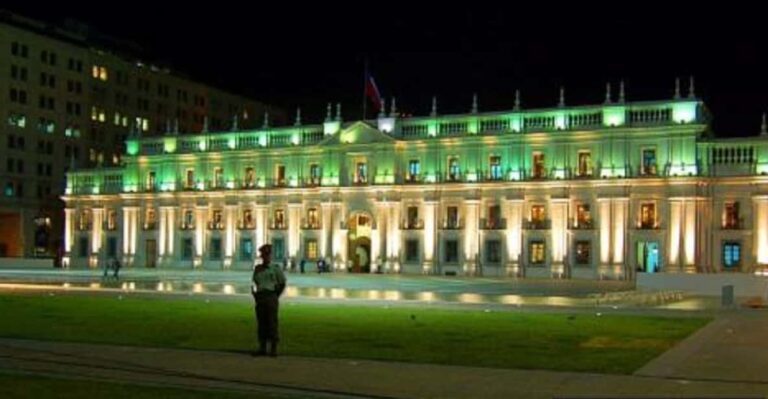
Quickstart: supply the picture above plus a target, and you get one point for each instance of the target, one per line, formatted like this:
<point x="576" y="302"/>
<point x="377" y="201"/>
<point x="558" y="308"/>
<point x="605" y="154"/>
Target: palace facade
<point x="602" y="191"/>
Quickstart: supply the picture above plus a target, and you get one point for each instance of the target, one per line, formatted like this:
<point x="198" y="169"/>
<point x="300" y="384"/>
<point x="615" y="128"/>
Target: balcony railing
<point x="452" y="224"/>
<point x="493" y="224"/>
<point x="310" y="224"/>
<point x="540" y="224"/>
<point x="280" y="225"/>
<point x="648" y="224"/>
<point x="147" y="226"/>
<point x="187" y="226"/>
<point x="412" y="224"/>
<point x="109" y="226"/>
<point x="735" y="224"/>
<point x="215" y="225"/>
<point x="583" y="224"/>
<point x="246" y="225"/>
<point x="412" y="179"/>
<point x="84" y="226"/>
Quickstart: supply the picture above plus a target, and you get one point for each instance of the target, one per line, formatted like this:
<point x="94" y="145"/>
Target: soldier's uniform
<point x="268" y="284"/>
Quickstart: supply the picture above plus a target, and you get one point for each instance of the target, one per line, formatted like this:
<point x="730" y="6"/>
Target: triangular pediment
<point x="359" y="133"/>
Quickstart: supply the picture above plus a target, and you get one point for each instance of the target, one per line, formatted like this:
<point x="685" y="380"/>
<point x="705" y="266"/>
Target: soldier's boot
<point x="262" y="349"/>
<point x="273" y="349"/>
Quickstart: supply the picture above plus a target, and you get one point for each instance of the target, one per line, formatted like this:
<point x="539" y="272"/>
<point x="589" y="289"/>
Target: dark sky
<point x="289" y="54"/>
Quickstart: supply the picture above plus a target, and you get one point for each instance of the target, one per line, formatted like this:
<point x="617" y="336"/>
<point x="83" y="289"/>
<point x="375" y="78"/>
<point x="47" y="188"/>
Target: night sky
<point x="299" y="55"/>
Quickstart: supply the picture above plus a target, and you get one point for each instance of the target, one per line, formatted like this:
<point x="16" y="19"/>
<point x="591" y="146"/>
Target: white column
<point x="96" y="235"/>
<point x="604" y="209"/>
<point x="294" y="233"/>
<point x="200" y="225"/>
<point x="130" y="222"/>
<point x="326" y="229"/>
<point x="690" y="234"/>
<point x="559" y="211"/>
<point x="761" y="230"/>
<point x="430" y="239"/>
<point x="69" y="234"/>
<point x="162" y="233"/>
<point x="675" y="223"/>
<point x="339" y="244"/>
<point x="394" y="239"/>
<point x="619" y="231"/>
<point x="260" y="233"/>
<point x="229" y="234"/>
<point x="514" y="215"/>
<point x="171" y="235"/>
<point x="378" y="235"/>
<point x="471" y="231"/>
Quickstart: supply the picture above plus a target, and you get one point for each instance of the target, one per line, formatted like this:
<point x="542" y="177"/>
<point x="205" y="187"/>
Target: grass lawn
<point x="579" y="342"/>
<point x="24" y="386"/>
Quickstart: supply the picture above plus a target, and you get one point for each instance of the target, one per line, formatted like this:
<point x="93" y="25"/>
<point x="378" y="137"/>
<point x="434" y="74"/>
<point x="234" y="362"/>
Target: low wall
<point x="26" y="263"/>
<point x="744" y="285"/>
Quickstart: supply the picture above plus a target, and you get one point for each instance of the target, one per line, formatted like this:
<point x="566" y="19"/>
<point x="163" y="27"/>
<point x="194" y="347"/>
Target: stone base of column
<point x="512" y="269"/>
<point x="428" y="267"/>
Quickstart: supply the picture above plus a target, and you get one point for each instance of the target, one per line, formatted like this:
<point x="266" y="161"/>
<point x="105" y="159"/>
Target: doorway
<point x="648" y="256"/>
<point x="359" y="242"/>
<point x="151" y="253"/>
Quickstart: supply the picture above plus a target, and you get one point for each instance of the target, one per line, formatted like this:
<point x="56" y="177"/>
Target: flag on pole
<point x="372" y="92"/>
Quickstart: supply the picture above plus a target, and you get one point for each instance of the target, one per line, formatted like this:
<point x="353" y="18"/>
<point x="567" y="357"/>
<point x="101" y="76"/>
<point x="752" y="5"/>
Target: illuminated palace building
<point x="598" y="191"/>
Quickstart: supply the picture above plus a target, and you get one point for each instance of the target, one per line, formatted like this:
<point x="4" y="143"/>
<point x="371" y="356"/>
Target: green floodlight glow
<point x="472" y="177"/>
<point x="231" y="143"/>
<point x="330" y="181"/>
<point x="514" y="175"/>
<point x="430" y="178"/>
<point x="385" y="179"/>
<point x="169" y="145"/>
<point x="331" y="127"/>
<point x="263" y="140"/>
<point x="683" y="170"/>
<point x="614" y="116"/>
<point x="201" y="145"/>
<point x="432" y="129"/>
<point x="516" y="123"/>
<point x="684" y="111"/>
<point x="132" y="147"/>
<point x="295" y="139"/>
<point x="473" y="126"/>
<point x="95" y="189"/>
<point x="560" y="121"/>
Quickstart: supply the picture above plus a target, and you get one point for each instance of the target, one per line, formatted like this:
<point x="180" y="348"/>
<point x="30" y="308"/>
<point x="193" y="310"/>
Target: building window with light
<point x="361" y="173"/>
<point x="538" y="215"/>
<point x="583" y="217"/>
<point x="454" y="169"/>
<point x="247" y="222"/>
<point x="217" y="220"/>
<point x="246" y="248"/>
<point x="111" y="219"/>
<point x="314" y="174"/>
<point x="85" y="220"/>
<point x="150" y="220"/>
<point x="313" y="221"/>
<point x="539" y="172"/>
<point x="414" y="170"/>
<point x="731" y="254"/>
<point x="412" y="220"/>
<point x="250" y="178"/>
<point x="648" y="216"/>
<point x="493" y="221"/>
<point x="585" y="164"/>
<point x="649" y="162"/>
<point x="495" y="168"/>
<point x="188" y="220"/>
<point x="218" y="177"/>
<point x="310" y="246"/>
<point x="731" y="215"/>
<point x="279" y="222"/>
<point x="537" y="252"/>
<point x="581" y="253"/>
<point x="189" y="180"/>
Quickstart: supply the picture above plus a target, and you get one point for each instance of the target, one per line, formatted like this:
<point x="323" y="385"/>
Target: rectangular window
<point x="537" y="252"/>
<point x="493" y="220"/>
<point x="189" y="182"/>
<point x="731" y="215"/>
<point x="539" y="171"/>
<point x="583" y="217"/>
<point x="585" y="164"/>
<point x="215" y="248"/>
<point x="186" y="249"/>
<point x="452" y="220"/>
<point x="150" y="220"/>
<point x="582" y="252"/>
<point x="361" y="173"/>
<point x="648" y="216"/>
<point x="279" y="222"/>
<point x="538" y="214"/>
<point x="493" y="251"/>
<point x="414" y="169"/>
<point x="649" y="162"/>
<point x="188" y="220"/>
<point x="451" y="251"/>
<point x="217" y="222"/>
<point x="310" y="246"/>
<point x="218" y="177"/>
<point x="454" y="169"/>
<point x="247" y="222"/>
<point x="731" y="254"/>
<point x="314" y="174"/>
<point x="495" y="168"/>
<point x="412" y="251"/>
<point x="313" y="220"/>
<point x="246" y="248"/>
<point x="250" y="178"/>
<point x="412" y="221"/>
<point x="151" y="181"/>
<point x="111" y="219"/>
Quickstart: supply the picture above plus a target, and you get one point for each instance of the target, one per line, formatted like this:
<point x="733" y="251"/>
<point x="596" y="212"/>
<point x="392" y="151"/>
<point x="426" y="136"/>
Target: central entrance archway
<point x="359" y="228"/>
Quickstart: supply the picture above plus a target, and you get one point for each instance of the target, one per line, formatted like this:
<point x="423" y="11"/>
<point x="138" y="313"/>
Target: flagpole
<point x="365" y="84"/>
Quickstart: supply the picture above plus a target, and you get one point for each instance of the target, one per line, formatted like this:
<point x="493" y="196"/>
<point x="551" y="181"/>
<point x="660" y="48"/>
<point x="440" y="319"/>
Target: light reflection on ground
<point x="430" y="289"/>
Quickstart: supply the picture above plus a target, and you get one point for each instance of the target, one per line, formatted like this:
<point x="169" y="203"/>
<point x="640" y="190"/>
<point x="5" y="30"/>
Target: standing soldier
<point x="268" y="284"/>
